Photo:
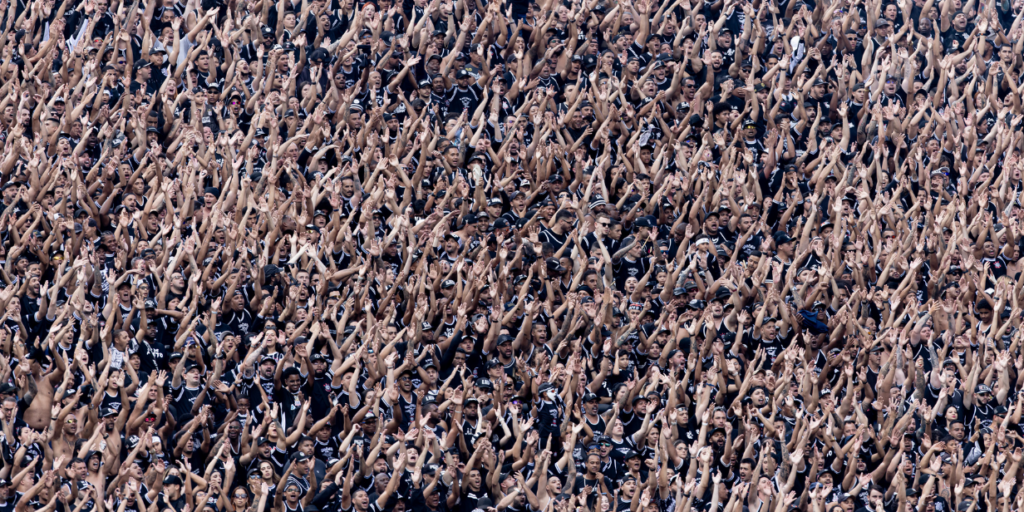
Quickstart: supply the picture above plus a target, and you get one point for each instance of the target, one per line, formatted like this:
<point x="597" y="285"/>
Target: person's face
<point x="459" y="360"/>
<point x="474" y="478"/>
<point x="985" y="315"/>
<point x="956" y="431"/>
<point x="319" y="366"/>
<point x="758" y="397"/>
<point x="293" y="382"/>
<point x="716" y="60"/>
<point x="9" y="408"/>
<point x="291" y="493"/>
<point x="745" y="471"/>
<point x="78" y="468"/>
<point x="239" y="498"/>
<point x="192" y="376"/>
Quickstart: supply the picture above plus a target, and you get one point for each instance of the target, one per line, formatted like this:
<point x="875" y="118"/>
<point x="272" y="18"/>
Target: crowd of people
<point x="534" y="256"/>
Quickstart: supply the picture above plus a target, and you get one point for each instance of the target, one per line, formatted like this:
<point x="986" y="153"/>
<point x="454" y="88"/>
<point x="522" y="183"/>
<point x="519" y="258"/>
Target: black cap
<point x="319" y="54"/>
<point x="554" y="265"/>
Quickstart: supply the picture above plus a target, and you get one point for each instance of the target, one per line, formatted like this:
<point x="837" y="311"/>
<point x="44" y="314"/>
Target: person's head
<point x="291" y="493"/>
<point x="959" y="20"/>
<point x="192" y="373"/>
<point x="319" y="364"/>
<point x="172" y="486"/>
<point x="554" y="485"/>
<point x="984" y="311"/>
<point x="475" y="479"/>
<point x="266" y="468"/>
<point x="292" y="379"/>
<point x="628" y="487"/>
<point x="956" y="430"/>
<point x="268" y="365"/>
<point x="593" y="463"/>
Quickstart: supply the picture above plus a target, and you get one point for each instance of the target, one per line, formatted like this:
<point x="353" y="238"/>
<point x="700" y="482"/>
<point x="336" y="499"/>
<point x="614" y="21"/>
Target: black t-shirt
<point x="624" y="269"/>
<point x="418" y="502"/>
<point x="556" y="240"/>
<point x="163" y="502"/>
<point x="772" y="347"/>
<point x="582" y="481"/>
<point x="470" y="498"/>
<point x="464" y="100"/>
<point x="184" y="398"/>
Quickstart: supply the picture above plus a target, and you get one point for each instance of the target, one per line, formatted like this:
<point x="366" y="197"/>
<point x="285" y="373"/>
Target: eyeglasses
<point x="122" y="62"/>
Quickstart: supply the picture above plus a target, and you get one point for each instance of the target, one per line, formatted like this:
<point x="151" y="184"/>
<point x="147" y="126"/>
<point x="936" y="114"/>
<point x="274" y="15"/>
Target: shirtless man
<point x="79" y="483"/>
<point x="38" y="414"/>
<point x="65" y="427"/>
